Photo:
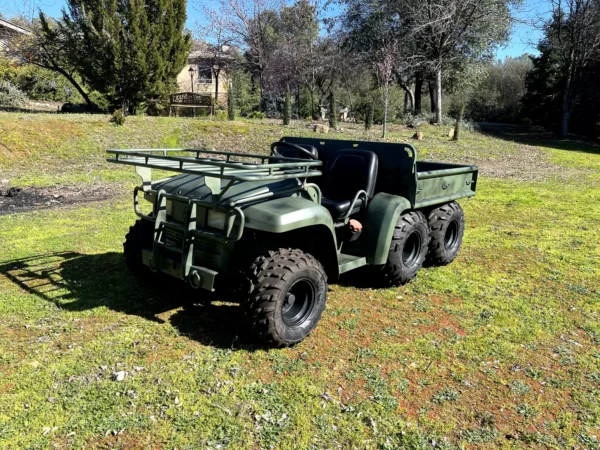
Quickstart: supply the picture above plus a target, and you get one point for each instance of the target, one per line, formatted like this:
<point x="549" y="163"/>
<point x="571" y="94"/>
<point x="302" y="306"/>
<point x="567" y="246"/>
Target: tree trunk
<point x="409" y="98"/>
<point x="459" y="117"/>
<point x="418" y="92"/>
<point x="431" y="96"/>
<point x="438" y="95"/>
<point x="86" y="97"/>
<point x="298" y="102"/>
<point x="216" y="72"/>
<point x="566" y="103"/>
<point x="386" y="98"/>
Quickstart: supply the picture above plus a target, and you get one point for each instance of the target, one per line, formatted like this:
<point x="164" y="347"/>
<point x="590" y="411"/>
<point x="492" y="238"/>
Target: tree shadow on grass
<point x="537" y="136"/>
<point x="79" y="282"/>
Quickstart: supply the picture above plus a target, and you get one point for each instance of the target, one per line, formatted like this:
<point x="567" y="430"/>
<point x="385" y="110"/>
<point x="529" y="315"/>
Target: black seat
<point x="349" y="172"/>
<point x="293" y="153"/>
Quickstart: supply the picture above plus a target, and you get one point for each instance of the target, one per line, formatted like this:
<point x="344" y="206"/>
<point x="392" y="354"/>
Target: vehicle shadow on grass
<point x="79" y="282"/>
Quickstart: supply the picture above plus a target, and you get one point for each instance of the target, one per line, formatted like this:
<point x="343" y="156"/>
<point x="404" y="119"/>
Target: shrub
<point x="117" y="117"/>
<point x="256" y="115"/>
<point x="11" y="96"/>
<point x="221" y="115"/>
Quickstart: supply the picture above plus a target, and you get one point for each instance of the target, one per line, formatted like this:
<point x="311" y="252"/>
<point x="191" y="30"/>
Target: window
<point x="204" y="75"/>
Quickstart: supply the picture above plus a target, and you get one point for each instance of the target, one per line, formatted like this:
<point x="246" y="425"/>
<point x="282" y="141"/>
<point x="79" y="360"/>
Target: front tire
<point x="287" y="297"/>
<point x="407" y="250"/>
<point x="140" y="236"/>
<point x="447" y="224"/>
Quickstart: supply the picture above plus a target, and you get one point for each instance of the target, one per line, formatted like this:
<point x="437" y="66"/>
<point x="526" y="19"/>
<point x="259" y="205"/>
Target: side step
<point x="349" y="262"/>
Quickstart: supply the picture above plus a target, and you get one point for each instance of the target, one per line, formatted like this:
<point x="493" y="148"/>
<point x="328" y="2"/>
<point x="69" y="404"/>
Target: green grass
<point x="499" y="349"/>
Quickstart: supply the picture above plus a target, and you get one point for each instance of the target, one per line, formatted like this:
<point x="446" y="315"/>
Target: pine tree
<point x="369" y="120"/>
<point x="287" y="109"/>
<point x="138" y="54"/>
<point x="332" y="111"/>
<point x="230" y="103"/>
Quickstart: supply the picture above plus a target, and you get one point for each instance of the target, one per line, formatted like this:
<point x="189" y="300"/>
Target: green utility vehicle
<point x="273" y="229"/>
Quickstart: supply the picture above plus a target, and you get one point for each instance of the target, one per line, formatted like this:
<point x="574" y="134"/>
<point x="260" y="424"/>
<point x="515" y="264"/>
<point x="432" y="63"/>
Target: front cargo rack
<point x="219" y="164"/>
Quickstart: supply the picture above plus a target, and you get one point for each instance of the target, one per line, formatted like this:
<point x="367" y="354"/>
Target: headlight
<point x="216" y="220"/>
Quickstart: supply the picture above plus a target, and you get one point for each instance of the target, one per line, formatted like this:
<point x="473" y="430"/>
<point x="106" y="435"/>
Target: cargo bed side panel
<point x="439" y="183"/>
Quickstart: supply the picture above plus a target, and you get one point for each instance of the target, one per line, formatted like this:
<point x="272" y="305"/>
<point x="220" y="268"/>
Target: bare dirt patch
<point x="15" y="199"/>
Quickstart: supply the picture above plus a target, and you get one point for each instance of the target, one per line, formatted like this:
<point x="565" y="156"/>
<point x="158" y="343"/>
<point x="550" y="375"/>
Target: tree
<point x="217" y="54"/>
<point x="45" y="47"/>
<point x="287" y="109"/>
<point x="572" y="40"/>
<point x="249" y="24"/>
<point x="332" y="110"/>
<point x="369" y="118"/>
<point x="230" y="103"/>
<point x="130" y="51"/>
<point x="376" y="34"/>
<point x="456" y="30"/>
<point x="465" y="80"/>
<point x="500" y="95"/>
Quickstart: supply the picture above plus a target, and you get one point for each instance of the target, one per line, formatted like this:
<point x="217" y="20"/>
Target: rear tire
<point x="447" y="224"/>
<point x="140" y="236"/>
<point x="287" y="297"/>
<point x="407" y="250"/>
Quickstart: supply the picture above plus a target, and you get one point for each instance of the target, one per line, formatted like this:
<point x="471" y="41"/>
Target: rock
<point x="451" y="133"/>
<point x="320" y="128"/>
<point x="4" y="181"/>
<point x="417" y="123"/>
<point x="118" y="376"/>
<point x="418" y="135"/>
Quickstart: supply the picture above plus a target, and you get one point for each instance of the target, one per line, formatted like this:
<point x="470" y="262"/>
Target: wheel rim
<point x="451" y="235"/>
<point x="411" y="249"/>
<point x="298" y="303"/>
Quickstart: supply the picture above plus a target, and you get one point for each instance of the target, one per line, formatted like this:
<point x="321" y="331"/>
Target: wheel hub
<point x="451" y="235"/>
<point x="298" y="303"/>
<point x="412" y="246"/>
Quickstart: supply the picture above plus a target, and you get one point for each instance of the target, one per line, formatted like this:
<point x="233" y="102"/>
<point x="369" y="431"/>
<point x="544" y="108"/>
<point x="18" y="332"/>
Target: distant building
<point x="9" y="30"/>
<point x="206" y="61"/>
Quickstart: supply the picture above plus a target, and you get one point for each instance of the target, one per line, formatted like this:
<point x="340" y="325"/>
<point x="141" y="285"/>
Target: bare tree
<point x="217" y="54"/>
<point x="248" y="24"/>
<point x="385" y="64"/>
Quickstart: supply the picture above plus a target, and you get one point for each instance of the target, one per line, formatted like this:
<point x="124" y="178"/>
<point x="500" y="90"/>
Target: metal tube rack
<point x="270" y="168"/>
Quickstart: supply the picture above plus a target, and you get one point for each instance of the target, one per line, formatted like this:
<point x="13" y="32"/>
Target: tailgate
<point x="443" y="182"/>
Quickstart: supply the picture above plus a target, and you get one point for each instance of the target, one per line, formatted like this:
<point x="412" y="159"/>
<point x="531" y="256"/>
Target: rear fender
<point x="381" y="218"/>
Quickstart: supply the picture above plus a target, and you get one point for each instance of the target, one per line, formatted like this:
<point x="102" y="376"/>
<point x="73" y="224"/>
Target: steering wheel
<point x="296" y="147"/>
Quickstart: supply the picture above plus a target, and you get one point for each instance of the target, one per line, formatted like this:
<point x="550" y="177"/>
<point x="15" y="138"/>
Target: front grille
<point x="173" y="237"/>
<point x="208" y="254"/>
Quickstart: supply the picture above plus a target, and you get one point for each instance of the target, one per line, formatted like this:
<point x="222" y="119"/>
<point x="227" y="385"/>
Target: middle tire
<point x="287" y="296"/>
<point x="407" y="250"/>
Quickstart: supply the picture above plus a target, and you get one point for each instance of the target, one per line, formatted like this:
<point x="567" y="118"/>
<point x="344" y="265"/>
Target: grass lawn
<point x="499" y="349"/>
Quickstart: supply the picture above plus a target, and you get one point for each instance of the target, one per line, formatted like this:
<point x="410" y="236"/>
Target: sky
<point x="523" y="39"/>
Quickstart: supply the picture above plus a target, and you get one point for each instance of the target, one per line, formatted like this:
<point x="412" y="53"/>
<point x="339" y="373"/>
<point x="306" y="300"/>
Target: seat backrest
<point x="349" y="172"/>
<point x="293" y="153"/>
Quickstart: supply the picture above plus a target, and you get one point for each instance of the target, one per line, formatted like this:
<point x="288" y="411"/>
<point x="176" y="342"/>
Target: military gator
<point x="273" y="229"/>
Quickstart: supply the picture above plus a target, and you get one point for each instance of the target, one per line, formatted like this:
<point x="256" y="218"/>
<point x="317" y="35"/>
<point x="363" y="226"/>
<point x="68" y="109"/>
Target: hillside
<point x="500" y="348"/>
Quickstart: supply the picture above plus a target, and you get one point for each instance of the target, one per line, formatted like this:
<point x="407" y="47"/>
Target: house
<point x="208" y="71"/>
<point x="9" y="30"/>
